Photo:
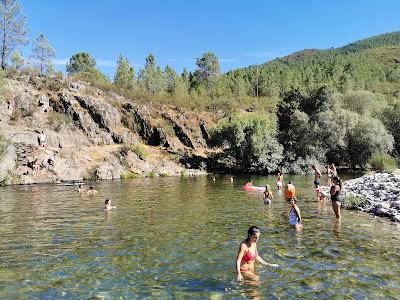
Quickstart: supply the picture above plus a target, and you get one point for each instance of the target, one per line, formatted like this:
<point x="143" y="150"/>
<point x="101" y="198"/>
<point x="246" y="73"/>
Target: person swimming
<point x="91" y="191"/>
<point x="107" y="205"/>
<point x="81" y="189"/>
<point x="248" y="254"/>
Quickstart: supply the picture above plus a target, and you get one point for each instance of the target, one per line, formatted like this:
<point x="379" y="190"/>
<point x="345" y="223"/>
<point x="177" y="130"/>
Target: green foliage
<point x="151" y="174"/>
<point x="59" y="120"/>
<point x="12" y="29"/>
<point x="382" y="162"/>
<point x="42" y="54"/>
<point x="250" y="140"/>
<point x="355" y="202"/>
<point x="81" y="62"/>
<point x="151" y="77"/>
<point x="138" y="149"/>
<point x="129" y="175"/>
<point x="207" y="72"/>
<point x="367" y="137"/>
<point x="125" y="75"/>
<point x="390" y="118"/>
<point x="17" y="60"/>
<point x="3" y="145"/>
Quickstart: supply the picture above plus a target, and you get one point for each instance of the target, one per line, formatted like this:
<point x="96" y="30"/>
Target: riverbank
<point x="377" y="194"/>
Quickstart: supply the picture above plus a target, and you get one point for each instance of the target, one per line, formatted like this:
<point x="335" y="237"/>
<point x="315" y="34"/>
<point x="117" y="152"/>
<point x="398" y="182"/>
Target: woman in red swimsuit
<point x="248" y="254"/>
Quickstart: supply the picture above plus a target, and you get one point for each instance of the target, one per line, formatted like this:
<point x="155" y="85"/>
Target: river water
<point x="177" y="238"/>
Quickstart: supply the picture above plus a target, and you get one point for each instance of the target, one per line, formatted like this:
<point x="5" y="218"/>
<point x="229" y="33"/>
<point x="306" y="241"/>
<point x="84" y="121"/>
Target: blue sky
<point x="240" y="33"/>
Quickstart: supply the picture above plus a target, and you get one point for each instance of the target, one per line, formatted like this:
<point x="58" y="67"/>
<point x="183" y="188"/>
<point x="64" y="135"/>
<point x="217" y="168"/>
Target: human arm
<point x="240" y="254"/>
<point x="297" y="210"/>
<point x="263" y="262"/>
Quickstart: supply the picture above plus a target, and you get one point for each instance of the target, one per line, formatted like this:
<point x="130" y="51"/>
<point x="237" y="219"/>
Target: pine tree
<point x="125" y="75"/>
<point x="12" y="29"/>
<point x="42" y="53"/>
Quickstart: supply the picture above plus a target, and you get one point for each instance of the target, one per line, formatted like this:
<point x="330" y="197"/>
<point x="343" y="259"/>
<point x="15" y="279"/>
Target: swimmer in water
<point x="248" y="254"/>
<point x="91" y="191"/>
<point x="107" y="205"/>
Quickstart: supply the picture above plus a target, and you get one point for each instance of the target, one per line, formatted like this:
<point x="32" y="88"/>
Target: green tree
<point x="250" y="140"/>
<point x="42" y="54"/>
<point x="170" y="79"/>
<point x="17" y="60"/>
<point x="125" y="74"/>
<point x="12" y="28"/>
<point x="81" y="62"/>
<point x="367" y="137"/>
<point x="151" y="77"/>
<point x="208" y="69"/>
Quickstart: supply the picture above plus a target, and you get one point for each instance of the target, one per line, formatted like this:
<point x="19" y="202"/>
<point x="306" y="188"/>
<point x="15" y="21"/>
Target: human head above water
<point x="107" y="201"/>
<point x="251" y="231"/>
<point x="292" y="200"/>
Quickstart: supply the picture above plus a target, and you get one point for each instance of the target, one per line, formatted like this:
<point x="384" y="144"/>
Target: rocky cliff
<point x="92" y="134"/>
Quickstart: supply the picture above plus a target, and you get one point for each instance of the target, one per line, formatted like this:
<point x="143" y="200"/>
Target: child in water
<point x="91" y="191"/>
<point x="294" y="215"/>
<point x="108" y="205"/>
<point x="267" y="196"/>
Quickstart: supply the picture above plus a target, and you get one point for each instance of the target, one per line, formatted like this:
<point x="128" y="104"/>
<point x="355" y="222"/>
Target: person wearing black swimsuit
<point x="336" y="189"/>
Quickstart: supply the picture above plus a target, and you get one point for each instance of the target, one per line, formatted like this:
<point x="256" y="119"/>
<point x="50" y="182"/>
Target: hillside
<point x="91" y="134"/>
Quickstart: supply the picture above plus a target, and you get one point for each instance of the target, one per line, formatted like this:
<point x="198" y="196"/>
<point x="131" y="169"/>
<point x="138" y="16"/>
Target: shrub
<point x="138" y="149"/>
<point x="129" y="175"/>
<point x="355" y="202"/>
<point x="382" y="162"/>
<point x="250" y="140"/>
<point x="58" y="120"/>
<point x="3" y="145"/>
<point x="152" y="174"/>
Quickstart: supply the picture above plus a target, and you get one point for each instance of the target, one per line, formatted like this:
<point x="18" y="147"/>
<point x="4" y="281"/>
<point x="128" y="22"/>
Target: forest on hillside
<point x="312" y="107"/>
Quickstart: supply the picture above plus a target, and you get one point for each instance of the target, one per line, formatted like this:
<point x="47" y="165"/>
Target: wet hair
<point x="268" y="188"/>
<point x="292" y="198"/>
<point x="91" y="187"/>
<point x="252" y="230"/>
<point x="107" y="201"/>
<point x="289" y="182"/>
<point x="81" y="186"/>
<point x="313" y="166"/>
<point x="339" y="181"/>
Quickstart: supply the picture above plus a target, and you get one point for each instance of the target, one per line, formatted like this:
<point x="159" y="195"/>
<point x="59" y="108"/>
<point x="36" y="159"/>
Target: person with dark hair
<point x="294" y="215"/>
<point x="267" y="196"/>
<point x="91" y="191"/>
<point x="248" y="254"/>
<point x="108" y="205"/>
<point x="317" y="176"/>
<point x="279" y="181"/>
<point x="335" y="191"/>
<point x="81" y="189"/>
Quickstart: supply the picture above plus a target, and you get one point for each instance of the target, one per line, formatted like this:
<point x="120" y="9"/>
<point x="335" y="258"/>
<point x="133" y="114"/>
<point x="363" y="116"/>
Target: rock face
<point x="86" y="131"/>
<point x="382" y="192"/>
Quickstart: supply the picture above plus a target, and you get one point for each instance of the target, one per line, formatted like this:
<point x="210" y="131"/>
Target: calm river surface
<point x="177" y="238"/>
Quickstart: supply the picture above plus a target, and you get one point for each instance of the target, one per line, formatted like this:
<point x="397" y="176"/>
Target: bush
<point x="129" y="175"/>
<point x="355" y="202"/>
<point x="58" y="120"/>
<point x="382" y="162"/>
<point x="250" y="139"/>
<point x="138" y="149"/>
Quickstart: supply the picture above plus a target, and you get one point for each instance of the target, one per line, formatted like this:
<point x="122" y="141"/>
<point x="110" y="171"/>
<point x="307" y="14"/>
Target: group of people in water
<point x="91" y="191"/>
<point x="248" y="254"/>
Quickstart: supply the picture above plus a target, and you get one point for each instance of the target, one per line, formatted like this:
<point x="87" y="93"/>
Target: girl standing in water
<point x="336" y="189"/>
<point x="248" y="254"/>
<point x="294" y="215"/>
